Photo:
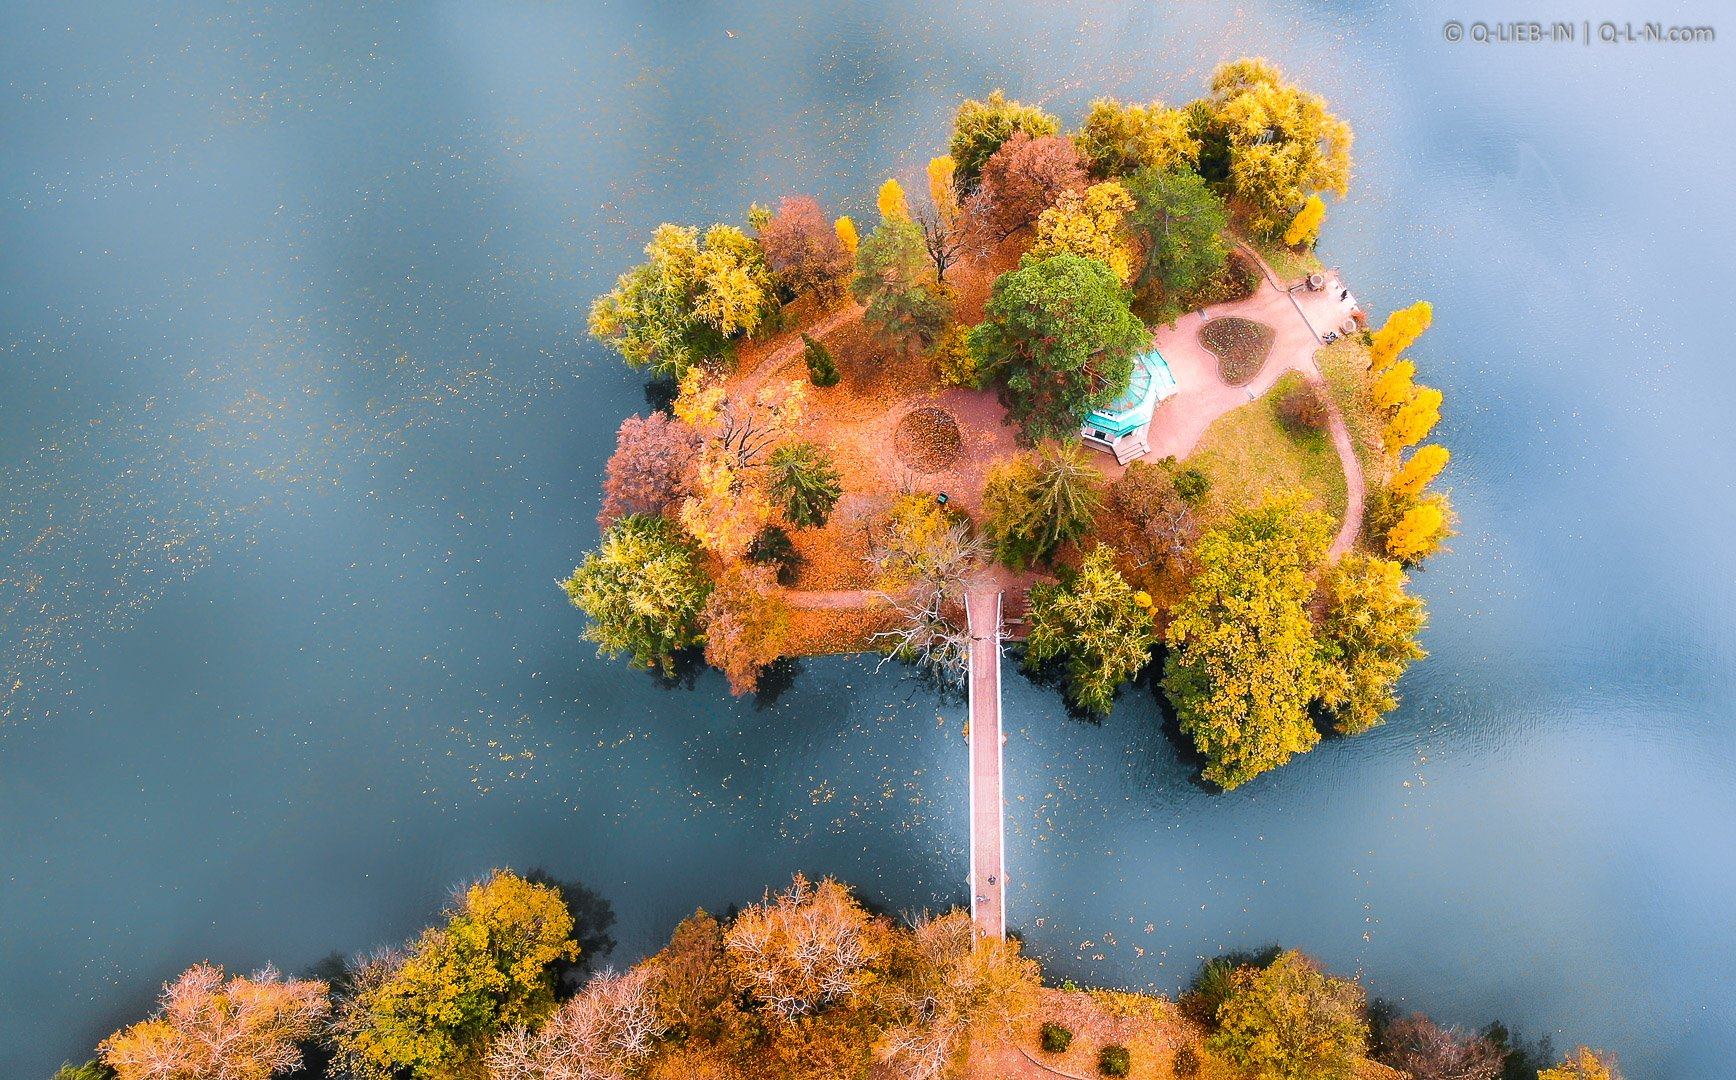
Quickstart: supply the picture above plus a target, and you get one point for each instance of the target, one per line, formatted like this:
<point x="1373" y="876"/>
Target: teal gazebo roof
<point x="1152" y="381"/>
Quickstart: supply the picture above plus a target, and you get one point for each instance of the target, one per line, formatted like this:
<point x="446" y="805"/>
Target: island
<point x="1097" y="383"/>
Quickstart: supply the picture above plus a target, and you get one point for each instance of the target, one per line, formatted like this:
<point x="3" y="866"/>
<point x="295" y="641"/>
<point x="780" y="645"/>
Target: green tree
<point x="1060" y="337"/>
<point x="683" y="306"/>
<point x="1179" y="222"/>
<point x="804" y="482"/>
<point x="981" y="127"/>
<point x="643" y="589"/>
<point x="1292" y="1021"/>
<point x="431" y="1011"/>
<point x="1283" y="144"/>
<point x="1094" y="627"/>
<point x="1243" y="659"/>
<point x="1036" y="502"/>
<point x="894" y="278"/>
<point x="822" y="369"/>
<point x="90" y="1070"/>
<point x="1370" y="637"/>
<point x="1120" y="140"/>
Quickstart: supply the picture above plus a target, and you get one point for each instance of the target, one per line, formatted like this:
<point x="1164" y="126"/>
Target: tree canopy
<point x="1022" y="179"/>
<point x="643" y="589"/>
<point x="1178" y="222"/>
<point x="1034" y="503"/>
<point x="646" y="472"/>
<point x="682" y="306"/>
<point x="1283" y="144"/>
<point x="1091" y="224"/>
<point x="804" y="249"/>
<point x="432" y="1010"/>
<point x="1370" y="638"/>
<point x="1060" y="337"/>
<point x="1243" y="659"/>
<point x="211" y="1027"/>
<point x="1094" y="626"/>
<point x="980" y="127"/>
<point x="1120" y="140"/>
<point x="895" y="280"/>
<point x="1291" y="1021"/>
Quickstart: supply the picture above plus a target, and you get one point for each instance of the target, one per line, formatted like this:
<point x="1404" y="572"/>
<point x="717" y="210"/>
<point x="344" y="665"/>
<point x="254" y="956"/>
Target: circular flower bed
<point x="1240" y="345"/>
<point x="927" y="439"/>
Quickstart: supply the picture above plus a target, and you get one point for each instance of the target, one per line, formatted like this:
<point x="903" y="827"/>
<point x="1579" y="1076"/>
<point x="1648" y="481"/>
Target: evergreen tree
<point x="822" y="371"/>
<point x="804" y="482"/>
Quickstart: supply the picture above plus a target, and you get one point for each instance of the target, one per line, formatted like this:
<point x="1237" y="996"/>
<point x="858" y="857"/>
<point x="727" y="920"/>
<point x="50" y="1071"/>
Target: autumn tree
<point x="1092" y="625"/>
<point x="432" y="1010"/>
<point x="847" y="235"/>
<point x="601" y="1033"/>
<point x="822" y="369"/>
<point x="1091" y="224"/>
<point x="1023" y="178"/>
<point x="1400" y="331"/>
<point x="1282" y="143"/>
<point x="1584" y="1064"/>
<point x="1419" y="471"/>
<point x="1421" y="530"/>
<point x="804" y="483"/>
<point x="1395" y="385"/>
<point x="981" y="127"/>
<point x="728" y="501"/>
<point x="646" y="471"/>
<point x="1178" y="223"/>
<point x="1423" y="1050"/>
<point x="922" y="557"/>
<point x="1165" y="525"/>
<point x="1243" y="660"/>
<point x="1369" y="637"/>
<point x="891" y="201"/>
<point x="746" y="626"/>
<point x="87" y="1070"/>
<point x="895" y="280"/>
<point x="1059" y="336"/>
<point x="1034" y="503"/>
<point x="208" y="1027"/>
<point x="1120" y="140"/>
<point x="803" y="948"/>
<point x="1412" y="421"/>
<point x="940" y="219"/>
<point x="685" y="304"/>
<point x="1291" y="1021"/>
<point x="1304" y="228"/>
<point x="643" y="589"/>
<point x="804" y="249"/>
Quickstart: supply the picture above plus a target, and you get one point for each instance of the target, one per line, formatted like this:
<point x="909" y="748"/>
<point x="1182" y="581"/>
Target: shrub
<point x="1113" y="1061"/>
<point x="1192" y="485"/>
<point x="822" y="370"/>
<point x="1186" y="1063"/>
<point x="1056" y="1039"/>
<point x="954" y="363"/>
<point x="1303" y="407"/>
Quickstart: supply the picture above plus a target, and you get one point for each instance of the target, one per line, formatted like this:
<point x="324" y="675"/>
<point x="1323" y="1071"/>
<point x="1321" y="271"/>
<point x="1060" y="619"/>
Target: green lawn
<point x="1249" y="454"/>
<point x="1287" y="264"/>
<point x="1344" y="363"/>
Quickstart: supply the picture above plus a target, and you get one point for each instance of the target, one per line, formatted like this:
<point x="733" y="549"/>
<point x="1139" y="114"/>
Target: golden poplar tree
<point x="893" y="205"/>
<point x="1394" y="386"/>
<point x="1421" y="531"/>
<point x="1414" y="419"/>
<point x="1399" y="332"/>
<point x="1304" y="228"/>
<point x="1417" y="473"/>
<point x="846" y="230"/>
<point x="942" y="189"/>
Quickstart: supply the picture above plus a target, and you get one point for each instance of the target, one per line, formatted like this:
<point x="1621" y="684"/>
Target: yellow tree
<point x="941" y="188"/>
<point x="728" y="504"/>
<point x="1418" y="472"/>
<point x="892" y="203"/>
<point x="1421" y="531"/>
<point x="1120" y="140"/>
<point x="1583" y="1064"/>
<point x="1398" y="333"/>
<point x="846" y="230"/>
<point x="1395" y="385"/>
<point x="1284" y="144"/>
<point x="1414" y="419"/>
<point x="1370" y="638"/>
<point x="1304" y="228"/>
<point x="1090" y="224"/>
<point x="207" y="1027"/>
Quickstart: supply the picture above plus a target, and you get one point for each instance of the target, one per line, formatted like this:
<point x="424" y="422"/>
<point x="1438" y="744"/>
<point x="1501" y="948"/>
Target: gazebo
<point x="1119" y="427"/>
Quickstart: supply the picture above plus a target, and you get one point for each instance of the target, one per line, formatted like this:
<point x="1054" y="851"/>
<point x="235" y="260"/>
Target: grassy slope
<point x="1249" y="453"/>
<point x="1344" y="363"/>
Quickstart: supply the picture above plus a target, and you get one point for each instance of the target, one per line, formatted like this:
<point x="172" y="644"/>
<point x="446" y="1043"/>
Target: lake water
<point x="299" y="427"/>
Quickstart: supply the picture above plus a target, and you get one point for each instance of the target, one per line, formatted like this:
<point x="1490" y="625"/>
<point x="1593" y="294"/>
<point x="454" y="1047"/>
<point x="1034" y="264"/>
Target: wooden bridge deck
<point x="988" y="873"/>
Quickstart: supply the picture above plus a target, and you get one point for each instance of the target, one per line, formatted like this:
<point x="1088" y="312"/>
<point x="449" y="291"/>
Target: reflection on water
<point x="300" y="427"/>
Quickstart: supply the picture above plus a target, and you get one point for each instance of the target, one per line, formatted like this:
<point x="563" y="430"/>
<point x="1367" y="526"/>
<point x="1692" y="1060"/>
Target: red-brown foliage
<point x="1426" y="1051"/>
<point x="1303" y="406"/>
<point x="646" y="472"/>
<point x="1022" y="179"/>
<point x="803" y="248"/>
